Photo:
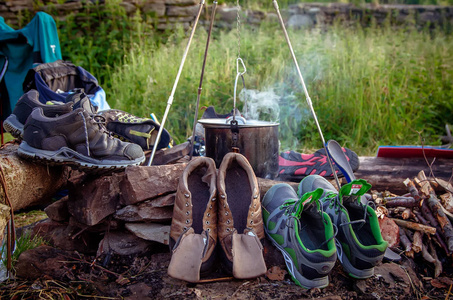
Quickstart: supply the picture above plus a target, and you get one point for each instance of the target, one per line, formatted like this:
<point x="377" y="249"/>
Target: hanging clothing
<point x="20" y="51"/>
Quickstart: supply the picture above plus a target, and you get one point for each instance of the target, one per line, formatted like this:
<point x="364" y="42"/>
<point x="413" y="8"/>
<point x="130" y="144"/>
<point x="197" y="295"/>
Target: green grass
<point x="369" y="87"/>
<point x="25" y="242"/>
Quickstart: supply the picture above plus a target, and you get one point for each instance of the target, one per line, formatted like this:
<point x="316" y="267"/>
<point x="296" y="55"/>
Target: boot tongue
<point x="308" y="201"/>
<point x="353" y="190"/>
<point x="81" y="100"/>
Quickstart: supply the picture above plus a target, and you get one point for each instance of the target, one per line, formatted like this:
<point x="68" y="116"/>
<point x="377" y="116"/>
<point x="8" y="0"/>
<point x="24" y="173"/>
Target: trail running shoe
<point x="294" y="166"/>
<point x="130" y="128"/>
<point x="14" y="124"/>
<point x="302" y="232"/>
<point x="359" y="242"/>
<point x="77" y="138"/>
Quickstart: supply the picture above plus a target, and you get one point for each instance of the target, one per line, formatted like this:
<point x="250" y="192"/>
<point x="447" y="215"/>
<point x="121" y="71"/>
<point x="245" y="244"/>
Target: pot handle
<point x="238" y="60"/>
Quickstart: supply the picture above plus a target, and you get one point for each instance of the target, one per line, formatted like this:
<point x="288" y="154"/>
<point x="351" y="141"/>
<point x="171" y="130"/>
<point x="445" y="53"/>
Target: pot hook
<point x="234" y="123"/>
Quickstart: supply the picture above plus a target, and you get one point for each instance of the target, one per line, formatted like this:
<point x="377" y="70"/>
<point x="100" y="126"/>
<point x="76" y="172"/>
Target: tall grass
<point x="369" y="87"/>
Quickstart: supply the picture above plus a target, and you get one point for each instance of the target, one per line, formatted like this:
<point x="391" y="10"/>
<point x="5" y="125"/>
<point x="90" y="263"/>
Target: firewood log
<point x="435" y="206"/>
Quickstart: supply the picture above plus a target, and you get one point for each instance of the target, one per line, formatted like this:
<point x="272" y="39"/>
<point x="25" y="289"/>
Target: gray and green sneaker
<point x="359" y="242"/>
<point x="302" y="232"/>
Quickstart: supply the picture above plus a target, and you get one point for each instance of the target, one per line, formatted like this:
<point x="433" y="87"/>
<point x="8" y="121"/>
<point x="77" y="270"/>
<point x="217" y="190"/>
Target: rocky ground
<point x="49" y="273"/>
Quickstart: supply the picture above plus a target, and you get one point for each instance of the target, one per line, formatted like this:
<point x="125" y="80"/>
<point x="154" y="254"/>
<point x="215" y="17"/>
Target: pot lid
<point x="226" y="123"/>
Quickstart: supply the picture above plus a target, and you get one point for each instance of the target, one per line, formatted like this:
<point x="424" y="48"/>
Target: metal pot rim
<point x="223" y="123"/>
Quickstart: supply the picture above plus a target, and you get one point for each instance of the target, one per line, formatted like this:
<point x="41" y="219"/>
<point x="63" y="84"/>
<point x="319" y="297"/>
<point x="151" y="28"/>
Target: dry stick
<point x="406" y="243"/>
<point x="438" y="239"/>
<point x="415" y="226"/>
<point x="406" y="213"/>
<point x="426" y="216"/>
<point x="425" y="254"/>
<point x="435" y="206"/>
<point x="417" y="241"/>
<point x="401" y="201"/>
<point x="437" y="263"/>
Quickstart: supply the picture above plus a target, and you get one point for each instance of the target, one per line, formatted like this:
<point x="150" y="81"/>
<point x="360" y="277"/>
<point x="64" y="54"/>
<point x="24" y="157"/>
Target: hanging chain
<point x="238" y="27"/>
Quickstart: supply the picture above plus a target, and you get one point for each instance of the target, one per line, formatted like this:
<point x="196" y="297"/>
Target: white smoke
<point x="260" y="105"/>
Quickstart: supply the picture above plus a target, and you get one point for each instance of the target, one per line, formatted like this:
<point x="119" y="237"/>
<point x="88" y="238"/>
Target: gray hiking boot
<point x="359" y="242"/>
<point x="130" y="128"/>
<point x="302" y="232"/>
<point x="78" y="138"/>
<point x="14" y="124"/>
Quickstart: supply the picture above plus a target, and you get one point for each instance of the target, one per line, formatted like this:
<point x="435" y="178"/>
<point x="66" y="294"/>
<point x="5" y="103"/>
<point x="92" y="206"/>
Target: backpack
<point x="55" y="81"/>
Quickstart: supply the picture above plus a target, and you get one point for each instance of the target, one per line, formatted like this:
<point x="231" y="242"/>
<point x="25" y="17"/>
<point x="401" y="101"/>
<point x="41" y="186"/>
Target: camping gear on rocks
<point x="78" y="138"/>
<point x="57" y="80"/>
<point x="297" y="225"/>
<point x="193" y="231"/>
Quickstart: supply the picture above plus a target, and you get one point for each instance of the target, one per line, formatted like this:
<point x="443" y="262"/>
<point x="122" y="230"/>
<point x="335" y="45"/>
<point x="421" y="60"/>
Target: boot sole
<point x="13" y="126"/>
<point x="65" y="156"/>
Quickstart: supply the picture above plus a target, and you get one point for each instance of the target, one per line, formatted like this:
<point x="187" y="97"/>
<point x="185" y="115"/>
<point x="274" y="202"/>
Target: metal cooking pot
<point x="256" y="140"/>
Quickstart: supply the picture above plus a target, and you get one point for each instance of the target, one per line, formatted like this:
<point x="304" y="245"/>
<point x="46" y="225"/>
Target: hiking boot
<point x="359" y="242"/>
<point x="78" y="138"/>
<point x="240" y="224"/>
<point x="193" y="231"/>
<point x="14" y="124"/>
<point x="136" y="130"/>
<point x="302" y="232"/>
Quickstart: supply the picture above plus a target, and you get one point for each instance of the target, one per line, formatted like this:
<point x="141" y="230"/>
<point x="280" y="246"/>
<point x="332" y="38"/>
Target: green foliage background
<point x="369" y="86"/>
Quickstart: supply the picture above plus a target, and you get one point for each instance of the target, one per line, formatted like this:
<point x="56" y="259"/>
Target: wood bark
<point x="435" y="206"/>
<point x="388" y="173"/>
<point x="415" y="226"/>
<point x="29" y="183"/>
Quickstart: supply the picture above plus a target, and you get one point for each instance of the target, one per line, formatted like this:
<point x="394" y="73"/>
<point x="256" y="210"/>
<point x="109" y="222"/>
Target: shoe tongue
<point x="354" y="189"/>
<point x="308" y="200"/>
<point x="82" y="101"/>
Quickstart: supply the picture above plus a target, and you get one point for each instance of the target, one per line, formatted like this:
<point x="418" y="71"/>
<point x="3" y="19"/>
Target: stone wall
<point x="166" y="13"/>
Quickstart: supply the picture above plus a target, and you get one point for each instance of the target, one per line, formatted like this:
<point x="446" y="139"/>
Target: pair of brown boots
<point x="217" y="207"/>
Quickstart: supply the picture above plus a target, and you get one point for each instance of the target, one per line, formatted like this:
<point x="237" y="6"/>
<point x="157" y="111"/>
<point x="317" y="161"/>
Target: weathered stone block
<point x="58" y="211"/>
<point x="144" y="213"/>
<point x="182" y="11"/>
<point x="93" y="199"/>
<point x="150" y="231"/>
<point x="144" y="183"/>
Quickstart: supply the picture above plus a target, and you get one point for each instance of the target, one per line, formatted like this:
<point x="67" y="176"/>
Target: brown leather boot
<point x="240" y="223"/>
<point x="193" y="231"/>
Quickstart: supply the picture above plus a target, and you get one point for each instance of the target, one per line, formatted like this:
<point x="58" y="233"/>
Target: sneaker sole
<point x="66" y="155"/>
<point x="348" y="267"/>
<point x="300" y="280"/>
<point x="13" y="126"/>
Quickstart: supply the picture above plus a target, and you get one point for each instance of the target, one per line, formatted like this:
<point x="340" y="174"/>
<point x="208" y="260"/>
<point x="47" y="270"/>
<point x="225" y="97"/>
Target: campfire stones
<point x="150" y="231"/>
<point x="143" y="183"/>
<point x="90" y="201"/>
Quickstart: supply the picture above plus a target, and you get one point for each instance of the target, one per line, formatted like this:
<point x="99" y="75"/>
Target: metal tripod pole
<point x="195" y="121"/>
<point x="170" y="99"/>
<point x="307" y="96"/>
